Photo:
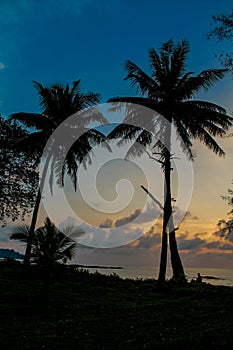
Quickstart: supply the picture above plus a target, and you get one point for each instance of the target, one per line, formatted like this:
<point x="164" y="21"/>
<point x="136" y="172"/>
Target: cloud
<point x="108" y="237"/>
<point x="122" y="231"/>
<point x="184" y="243"/>
<point x="144" y="246"/>
<point x="149" y="241"/>
<point x="219" y="245"/>
<point x="2" y="66"/>
<point x="182" y="215"/>
<point x="127" y="219"/>
<point x="107" y="223"/>
<point x="201" y="234"/>
<point x="151" y="214"/>
<point x="127" y="232"/>
<point x="201" y="245"/>
<point x="152" y="239"/>
<point x="69" y="221"/>
<point x="152" y="230"/>
<point x="139" y="216"/>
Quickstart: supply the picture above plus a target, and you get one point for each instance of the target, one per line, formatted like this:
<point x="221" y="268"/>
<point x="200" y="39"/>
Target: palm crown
<point x="49" y="245"/>
<point x="169" y="91"/>
<point x="58" y="102"/>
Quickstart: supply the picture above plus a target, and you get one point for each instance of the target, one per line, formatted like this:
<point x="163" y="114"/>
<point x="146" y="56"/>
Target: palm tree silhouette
<point x="169" y="91"/>
<point x="50" y="246"/>
<point x="58" y="102"/>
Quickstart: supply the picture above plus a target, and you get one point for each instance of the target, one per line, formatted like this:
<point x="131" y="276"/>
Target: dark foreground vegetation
<point x="93" y="311"/>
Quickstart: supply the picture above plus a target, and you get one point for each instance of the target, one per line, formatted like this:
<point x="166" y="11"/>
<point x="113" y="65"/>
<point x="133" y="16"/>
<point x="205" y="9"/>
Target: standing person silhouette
<point x="199" y="278"/>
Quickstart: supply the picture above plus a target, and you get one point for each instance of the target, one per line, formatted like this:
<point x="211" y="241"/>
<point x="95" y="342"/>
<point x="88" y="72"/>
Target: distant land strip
<point x="96" y="266"/>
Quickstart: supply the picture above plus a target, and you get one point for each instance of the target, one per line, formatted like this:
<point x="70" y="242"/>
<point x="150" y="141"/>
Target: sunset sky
<point x="61" y="41"/>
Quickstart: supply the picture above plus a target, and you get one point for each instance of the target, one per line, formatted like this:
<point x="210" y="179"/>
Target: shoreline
<point x="96" y="267"/>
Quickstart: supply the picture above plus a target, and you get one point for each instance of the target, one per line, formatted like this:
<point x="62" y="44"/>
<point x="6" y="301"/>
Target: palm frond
<point x="156" y="67"/>
<point x="205" y="80"/>
<point x="209" y="141"/>
<point x="205" y="114"/>
<point x="96" y="137"/>
<point x="20" y="233"/>
<point x="185" y="138"/>
<point x="128" y="102"/>
<point x="72" y="167"/>
<point x="166" y="52"/>
<point x="45" y="95"/>
<point x="30" y="120"/>
<point x="144" y="83"/>
<point x="208" y="106"/>
<point x="75" y="88"/>
<point x="82" y="101"/>
<point x="139" y="146"/>
<point x="51" y="176"/>
<point x="178" y="60"/>
<point x="19" y="237"/>
<point x="124" y="132"/>
<point x="73" y="231"/>
<point x="94" y="115"/>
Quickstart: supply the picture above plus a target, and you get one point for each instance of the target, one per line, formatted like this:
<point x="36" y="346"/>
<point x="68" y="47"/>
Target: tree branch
<point x="154" y="199"/>
<point x="153" y="158"/>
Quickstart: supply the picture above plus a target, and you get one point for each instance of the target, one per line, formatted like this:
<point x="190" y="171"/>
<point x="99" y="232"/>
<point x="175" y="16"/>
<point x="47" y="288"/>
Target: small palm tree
<point x="58" y="102"/>
<point x="169" y="91"/>
<point x="50" y="246"/>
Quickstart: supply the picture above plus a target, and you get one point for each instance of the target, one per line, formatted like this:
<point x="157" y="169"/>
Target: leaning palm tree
<point x="169" y="91"/>
<point x="50" y="246"/>
<point x="58" y="102"/>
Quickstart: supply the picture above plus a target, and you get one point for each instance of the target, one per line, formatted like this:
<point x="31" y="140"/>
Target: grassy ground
<point x="93" y="311"/>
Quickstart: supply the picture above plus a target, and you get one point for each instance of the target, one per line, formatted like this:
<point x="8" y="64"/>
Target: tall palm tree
<point x="169" y="90"/>
<point x="58" y="102"/>
<point x="50" y="246"/>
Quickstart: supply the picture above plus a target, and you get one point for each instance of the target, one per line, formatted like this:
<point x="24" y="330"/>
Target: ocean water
<point x="212" y="276"/>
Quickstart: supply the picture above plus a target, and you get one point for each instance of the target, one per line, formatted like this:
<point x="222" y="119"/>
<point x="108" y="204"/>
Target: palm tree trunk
<point x="176" y="263"/>
<point x="166" y="217"/>
<point x="35" y="213"/>
<point x="177" y="267"/>
<point x="168" y="225"/>
<point x="163" y="258"/>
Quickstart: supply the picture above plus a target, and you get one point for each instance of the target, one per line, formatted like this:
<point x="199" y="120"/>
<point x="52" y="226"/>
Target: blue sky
<point x="61" y="41"/>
